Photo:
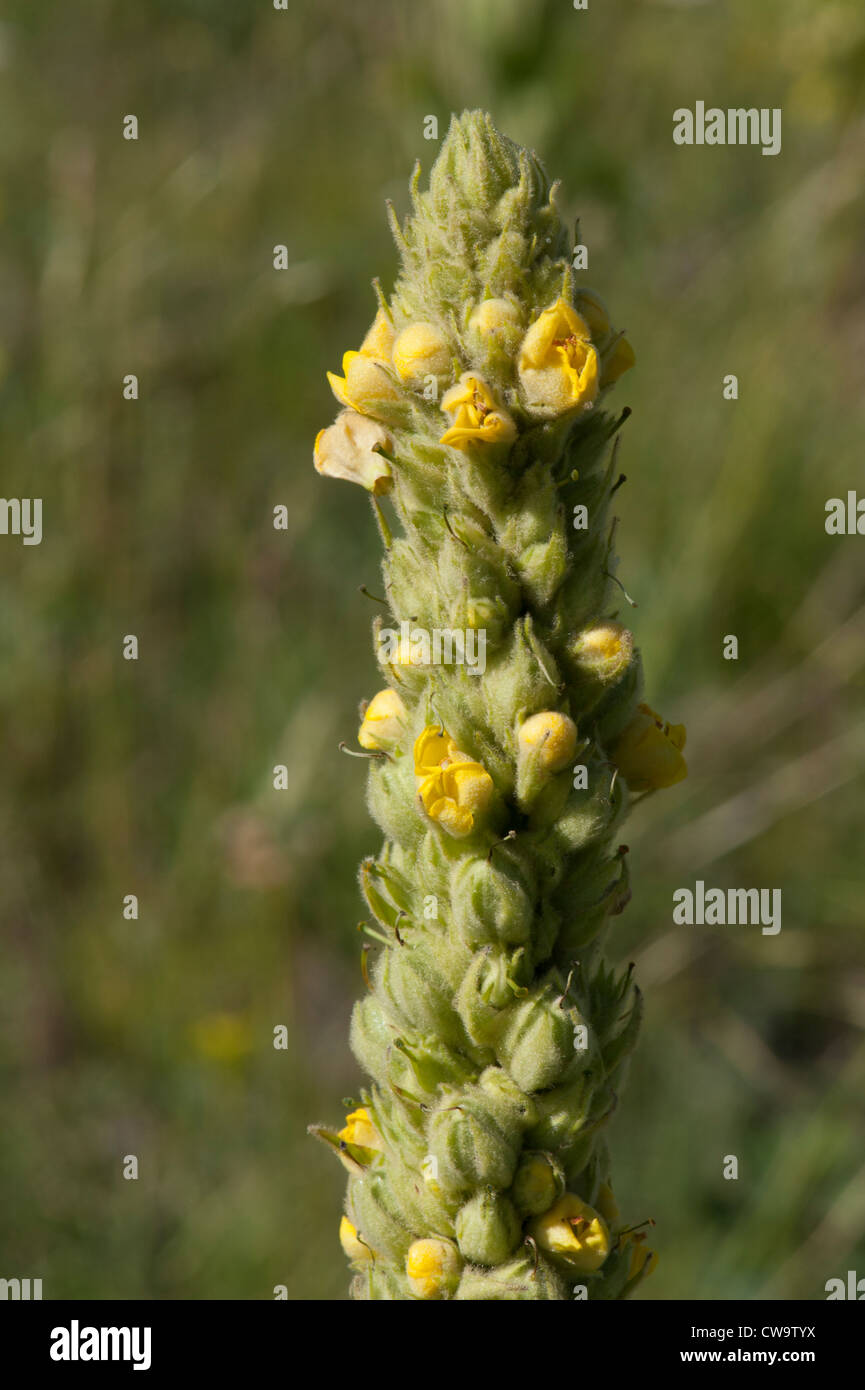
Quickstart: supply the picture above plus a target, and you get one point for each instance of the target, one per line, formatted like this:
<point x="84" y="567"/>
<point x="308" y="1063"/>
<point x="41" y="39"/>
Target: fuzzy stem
<point x="493" y="1030"/>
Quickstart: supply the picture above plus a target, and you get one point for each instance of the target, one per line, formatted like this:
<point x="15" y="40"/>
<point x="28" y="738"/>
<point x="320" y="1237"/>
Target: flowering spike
<point x="494" y="1034"/>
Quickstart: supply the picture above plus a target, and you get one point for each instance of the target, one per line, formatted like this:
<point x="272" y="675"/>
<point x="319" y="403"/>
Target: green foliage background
<point x="154" y="1037"/>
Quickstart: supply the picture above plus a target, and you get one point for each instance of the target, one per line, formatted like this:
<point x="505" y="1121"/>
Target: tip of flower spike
<point x="478" y="163"/>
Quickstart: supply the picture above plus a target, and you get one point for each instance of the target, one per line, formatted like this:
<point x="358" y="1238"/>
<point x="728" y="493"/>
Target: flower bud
<point x="649" y="752"/>
<point x="492" y="981"/>
<point x="538" y="1183"/>
<point x="546" y="745"/>
<point x="391" y="796"/>
<point x="600" y="656"/>
<point x="379" y="338"/>
<point x="550" y="738"/>
<point x="375" y="1211"/>
<point x="573" y="1235"/>
<point x="495" y="316"/>
<point x="557" y="365"/>
<point x="383" y="721"/>
<point x="422" y="350"/>
<point x="538" y="1039"/>
<point x="433" y="1268"/>
<point x="526" y="1278"/>
<point x="487" y="1228"/>
<point x="589" y="813"/>
<point x="433" y="1065"/>
<point x="349" y="449"/>
<point x="414" y="982"/>
<point x="474" y="1141"/>
<point x="492" y="900"/>
<point x="489" y="615"/>
<point x="354" y="1247"/>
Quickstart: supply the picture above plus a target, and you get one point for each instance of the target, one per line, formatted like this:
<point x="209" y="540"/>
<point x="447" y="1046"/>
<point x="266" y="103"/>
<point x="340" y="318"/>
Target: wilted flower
<point x="350" y="449"/>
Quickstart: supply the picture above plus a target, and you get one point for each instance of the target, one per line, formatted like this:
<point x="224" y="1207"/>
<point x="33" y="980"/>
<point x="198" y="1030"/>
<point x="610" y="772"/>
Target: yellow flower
<point x="431" y="748"/>
<point x="361" y="1133"/>
<point x="608" y="1206"/>
<point x="494" y="316"/>
<point x="222" y="1037"/>
<point x="557" y="364"/>
<point x="643" y="1260"/>
<point x="366" y="378"/>
<point x="617" y="355"/>
<point x="551" y="737"/>
<point x="383" y="721"/>
<point x="476" y="417"/>
<point x="573" y="1234"/>
<point x="649" y="752"/>
<point x="421" y="350"/>
<point x="352" y="1244"/>
<point x="433" y="1268"/>
<point x="349" y="448"/>
<point x="452" y="787"/>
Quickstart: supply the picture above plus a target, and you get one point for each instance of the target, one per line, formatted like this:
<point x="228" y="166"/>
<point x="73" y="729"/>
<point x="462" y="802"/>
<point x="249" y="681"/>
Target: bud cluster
<point x="494" y="1032"/>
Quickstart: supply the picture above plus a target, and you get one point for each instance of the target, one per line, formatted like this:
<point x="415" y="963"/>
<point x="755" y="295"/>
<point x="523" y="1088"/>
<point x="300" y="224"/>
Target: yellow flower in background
<point x="351" y="1243"/>
<point x="551" y="737"/>
<point x="421" y="350"/>
<point x="643" y="1260"/>
<point x="617" y="355"/>
<point x="558" y="365"/>
<point x="649" y="752"/>
<point x="383" y="721"/>
<point x="452" y="787"/>
<point x="608" y="1206"/>
<point x="619" y="360"/>
<point x="350" y="449"/>
<point x="476" y="417"/>
<point x="433" y="1268"/>
<point x="366" y="378"/>
<point x="222" y="1037"/>
<point x="573" y="1234"/>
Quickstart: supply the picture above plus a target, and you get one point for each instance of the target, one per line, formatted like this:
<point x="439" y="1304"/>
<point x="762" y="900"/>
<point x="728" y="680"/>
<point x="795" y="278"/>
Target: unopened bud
<point x="546" y="745"/>
<point x="433" y="1268"/>
<point x="539" y="1183"/>
<point x="422" y="350"/>
<point x="487" y="1228"/>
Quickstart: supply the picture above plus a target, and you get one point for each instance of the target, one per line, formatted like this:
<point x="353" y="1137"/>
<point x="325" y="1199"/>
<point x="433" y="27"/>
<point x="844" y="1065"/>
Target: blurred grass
<point x="154" y="1037"/>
